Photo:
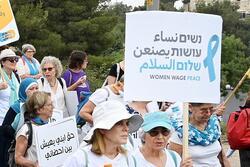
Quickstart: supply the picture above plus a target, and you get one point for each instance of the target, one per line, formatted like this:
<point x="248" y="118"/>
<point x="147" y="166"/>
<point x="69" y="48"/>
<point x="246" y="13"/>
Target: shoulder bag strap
<point x="70" y="77"/>
<point x="173" y="157"/>
<point x="17" y="76"/>
<point x="86" y="157"/>
<point x="117" y="71"/>
<point x="134" y="160"/>
<point x="42" y="80"/>
<point x="60" y="81"/>
<point x="108" y="93"/>
<point x="30" y="132"/>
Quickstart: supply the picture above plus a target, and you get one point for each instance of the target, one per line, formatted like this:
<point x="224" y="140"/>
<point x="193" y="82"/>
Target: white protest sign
<point x="172" y="56"/>
<point x="8" y="29"/>
<point x="56" y="141"/>
<point x="56" y="115"/>
<point x="71" y="101"/>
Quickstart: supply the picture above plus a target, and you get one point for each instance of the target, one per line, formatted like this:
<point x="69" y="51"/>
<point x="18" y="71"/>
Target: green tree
<point x="226" y="10"/>
<point x="234" y="62"/>
<point x="32" y="25"/>
<point x="236" y="41"/>
<point x="83" y="24"/>
<point x="167" y="5"/>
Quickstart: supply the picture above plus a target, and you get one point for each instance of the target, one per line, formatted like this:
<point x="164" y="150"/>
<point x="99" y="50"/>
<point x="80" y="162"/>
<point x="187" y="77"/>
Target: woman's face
<point x="85" y="63"/>
<point x="118" y="134"/>
<point x="10" y="63"/>
<point x="157" y="138"/>
<point x="49" y="71"/>
<point x="29" y="54"/>
<point x="47" y="110"/>
<point x="201" y="113"/>
<point x="120" y="86"/>
<point x="31" y="90"/>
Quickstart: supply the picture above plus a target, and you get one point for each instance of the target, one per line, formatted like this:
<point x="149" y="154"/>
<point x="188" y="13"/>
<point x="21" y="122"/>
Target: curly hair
<point x="56" y="63"/>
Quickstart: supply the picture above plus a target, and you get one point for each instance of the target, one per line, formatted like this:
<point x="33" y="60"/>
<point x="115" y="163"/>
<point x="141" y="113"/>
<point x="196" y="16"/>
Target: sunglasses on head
<point x="12" y="60"/>
<point x="155" y="132"/>
<point x="49" y="69"/>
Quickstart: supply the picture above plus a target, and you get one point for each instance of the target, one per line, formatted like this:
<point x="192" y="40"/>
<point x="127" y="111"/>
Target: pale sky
<point x="131" y="2"/>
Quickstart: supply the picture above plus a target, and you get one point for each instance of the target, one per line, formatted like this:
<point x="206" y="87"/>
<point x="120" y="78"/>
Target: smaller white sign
<point x="56" y="141"/>
<point x="71" y="100"/>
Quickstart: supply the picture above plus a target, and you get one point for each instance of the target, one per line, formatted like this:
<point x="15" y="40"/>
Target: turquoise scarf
<point x="196" y="137"/>
<point x="39" y="121"/>
<point x="14" y="86"/>
<point x="33" y="68"/>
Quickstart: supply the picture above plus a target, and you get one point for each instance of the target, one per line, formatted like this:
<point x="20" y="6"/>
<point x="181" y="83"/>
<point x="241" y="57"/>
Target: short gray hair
<point x="26" y="47"/>
<point x="56" y="63"/>
<point x="142" y="135"/>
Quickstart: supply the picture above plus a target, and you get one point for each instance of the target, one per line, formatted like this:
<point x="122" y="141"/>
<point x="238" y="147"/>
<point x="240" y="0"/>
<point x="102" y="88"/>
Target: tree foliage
<point x="58" y="27"/>
<point x="234" y="62"/>
<point x="236" y="41"/>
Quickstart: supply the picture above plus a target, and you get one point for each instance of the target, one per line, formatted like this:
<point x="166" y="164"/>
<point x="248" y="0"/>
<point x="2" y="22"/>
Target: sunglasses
<point x="155" y="132"/>
<point x="12" y="60"/>
<point x="49" y="69"/>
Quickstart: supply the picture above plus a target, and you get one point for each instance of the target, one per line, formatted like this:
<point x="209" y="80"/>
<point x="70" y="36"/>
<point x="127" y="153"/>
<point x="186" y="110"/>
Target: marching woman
<point x="156" y="130"/>
<point x="38" y="110"/>
<point x="54" y="84"/>
<point x="28" y="66"/>
<point x="111" y="126"/>
<point x="204" y="133"/>
<point x="9" y="81"/>
<point x="75" y="76"/>
<point x="7" y="132"/>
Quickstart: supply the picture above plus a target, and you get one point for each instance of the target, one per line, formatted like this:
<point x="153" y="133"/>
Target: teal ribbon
<point x="211" y="51"/>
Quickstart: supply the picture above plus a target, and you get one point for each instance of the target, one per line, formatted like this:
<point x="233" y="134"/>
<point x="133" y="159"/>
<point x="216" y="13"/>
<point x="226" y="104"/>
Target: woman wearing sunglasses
<point x="156" y="130"/>
<point x="28" y="66"/>
<point x="9" y="81"/>
<point x="52" y="82"/>
<point x="112" y="124"/>
<point x="7" y="132"/>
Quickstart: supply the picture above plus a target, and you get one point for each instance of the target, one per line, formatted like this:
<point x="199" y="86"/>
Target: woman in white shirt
<point x="9" y="81"/>
<point x="38" y="110"/>
<point x="109" y="92"/>
<point x="156" y="130"/>
<point x="54" y="84"/>
<point x="204" y="133"/>
<point x="28" y="66"/>
<point x="111" y="126"/>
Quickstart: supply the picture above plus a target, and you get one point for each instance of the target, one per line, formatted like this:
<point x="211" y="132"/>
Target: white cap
<point x="7" y="53"/>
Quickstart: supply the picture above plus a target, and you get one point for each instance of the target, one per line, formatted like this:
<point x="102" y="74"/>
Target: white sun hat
<point x="108" y="113"/>
<point x="7" y="53"/>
